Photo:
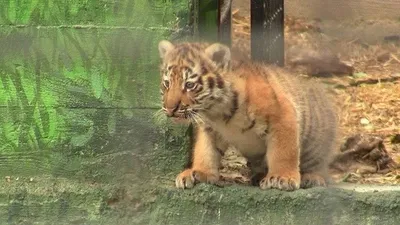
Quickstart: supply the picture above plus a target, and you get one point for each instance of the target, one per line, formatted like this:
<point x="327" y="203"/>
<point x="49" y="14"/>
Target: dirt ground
<point x="365" y="78"/>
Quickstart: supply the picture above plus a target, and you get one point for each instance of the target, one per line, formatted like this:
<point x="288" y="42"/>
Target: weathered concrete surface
<point x="368" y="188"/>
<point x="245" y="205"/>
<point x="60" y="201"/>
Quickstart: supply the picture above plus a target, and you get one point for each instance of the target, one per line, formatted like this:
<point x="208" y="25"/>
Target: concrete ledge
<point x="368" y="188"/>
<point x="248" y="205"/>
<point x="62" y="201"/>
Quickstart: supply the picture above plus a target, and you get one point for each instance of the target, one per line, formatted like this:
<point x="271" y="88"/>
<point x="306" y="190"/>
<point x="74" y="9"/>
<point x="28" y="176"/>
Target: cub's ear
<point x="220" y="54"/>
<point x="164" y="46"/>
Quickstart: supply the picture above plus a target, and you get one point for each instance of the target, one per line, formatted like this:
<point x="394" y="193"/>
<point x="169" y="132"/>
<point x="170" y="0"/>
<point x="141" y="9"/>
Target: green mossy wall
<point x="73" y="72"/>
<point x="79" y="91"/>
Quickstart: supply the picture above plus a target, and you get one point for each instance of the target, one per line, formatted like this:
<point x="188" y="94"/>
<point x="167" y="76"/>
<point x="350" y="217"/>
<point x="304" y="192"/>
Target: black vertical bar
<point x="196" y="14"/>
<point x="267" y="31"/>
<point x="257" y="30"/>
<point x="206" y="20"/>
<point x="274" y="26"/>
<point x="225" y="26"/>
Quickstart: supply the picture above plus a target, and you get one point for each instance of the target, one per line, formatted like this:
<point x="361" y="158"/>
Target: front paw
<point x="189" y="177"/>
<point x="282" y="181"/>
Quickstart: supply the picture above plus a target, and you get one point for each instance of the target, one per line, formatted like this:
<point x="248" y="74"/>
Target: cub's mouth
<point x="177" y="115"/>
<point x="182" y="118"/>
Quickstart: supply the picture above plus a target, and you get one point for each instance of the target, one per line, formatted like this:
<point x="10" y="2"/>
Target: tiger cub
<point x="263" y="111"/>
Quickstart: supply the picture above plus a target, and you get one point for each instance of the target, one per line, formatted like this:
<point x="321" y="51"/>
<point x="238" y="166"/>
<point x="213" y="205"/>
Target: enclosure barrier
<point x="80" y="140"/>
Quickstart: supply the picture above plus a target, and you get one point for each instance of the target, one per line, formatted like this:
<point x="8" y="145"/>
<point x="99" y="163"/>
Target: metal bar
<point x="267" y="31"/>
<point x="274" y="31"/>
<point x="257" y="30"/>
<point x="206" y="13"/>
<point x="225" y="26"/>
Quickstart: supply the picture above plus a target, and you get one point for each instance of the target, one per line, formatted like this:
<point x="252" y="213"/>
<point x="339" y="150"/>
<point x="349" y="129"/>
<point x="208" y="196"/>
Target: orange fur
<point x="259" y="109"/>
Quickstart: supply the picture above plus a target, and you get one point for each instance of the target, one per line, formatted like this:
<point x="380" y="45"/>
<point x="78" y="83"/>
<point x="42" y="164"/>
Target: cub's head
<point x="191" y="79"/>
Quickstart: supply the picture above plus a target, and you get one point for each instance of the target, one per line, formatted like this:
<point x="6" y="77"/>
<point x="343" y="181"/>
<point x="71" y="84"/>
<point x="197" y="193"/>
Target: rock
<point x="318" y="62"/>
<point x="364" y="121"/>
<point x="362" y="153"/>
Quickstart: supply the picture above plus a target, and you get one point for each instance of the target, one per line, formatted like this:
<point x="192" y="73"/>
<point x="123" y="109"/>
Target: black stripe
<point x="176" y="108"/>
<point x="184" y="50"/>
<point x="275" y="98"/>
<point x="309" y="124"/>
<point x="209" y="107"/>
<point x="234" y="107"/>
<point x="203" y="69"/>
<point x="310" y="165"/>
<point x="253" y="123"/>
<point x="193" y="76"/>
<point x="310" y="157"/>
<point x="199" y="89"/>
<point x="203" y="97"/>
<point x="198" y="48"/>
<point x="309" y="141"/>
<point x="186" y="73"/>
<point x="191" y="63"/>
<point x="220" y="82"/>
<point x="305" y="131"/>
<point x="211" y="82"/>
<point x="188" y="69"/>
<point x="189" y="54"/>
<point x="208" y="129"/>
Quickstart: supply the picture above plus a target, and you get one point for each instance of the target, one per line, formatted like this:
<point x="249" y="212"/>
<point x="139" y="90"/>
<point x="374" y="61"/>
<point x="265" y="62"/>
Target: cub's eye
<point x="166" y="83"/>
<point x="189" y="85"/>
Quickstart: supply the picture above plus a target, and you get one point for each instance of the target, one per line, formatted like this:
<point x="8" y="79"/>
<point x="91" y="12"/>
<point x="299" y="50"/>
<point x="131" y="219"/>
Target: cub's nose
<point x="170" y="111"/>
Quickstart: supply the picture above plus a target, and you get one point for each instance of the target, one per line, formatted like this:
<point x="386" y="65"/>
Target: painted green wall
<point x="78" y="78"/>
<point x="79" y="92"/>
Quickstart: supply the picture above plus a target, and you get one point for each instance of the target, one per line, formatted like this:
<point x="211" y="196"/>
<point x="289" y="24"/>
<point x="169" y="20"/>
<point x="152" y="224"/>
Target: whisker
<point x="198" y="119"/>
<point x="191" y="117"/>
<point x="159" y="116"/>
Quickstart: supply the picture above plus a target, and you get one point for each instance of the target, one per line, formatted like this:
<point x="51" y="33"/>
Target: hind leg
<point x="314" y="172"/>
<point x="309" y="180"/>
<point x="314" y="168"/>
